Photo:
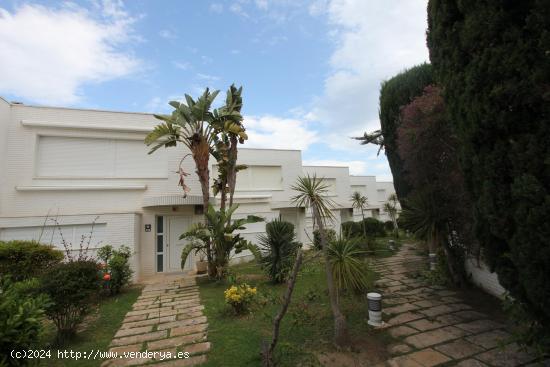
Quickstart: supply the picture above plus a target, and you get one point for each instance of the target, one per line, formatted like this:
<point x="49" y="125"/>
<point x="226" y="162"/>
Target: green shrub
<point x="348" y="268"/>
<point x="491" y="59"/>
<point x="330" y="233"/>
<point x="117" y="265"/>
<point x="72" y="288"/>
<point x="374" y="227"/>
<point x="21" y="313"/>
<point x="278" y="249"/>
<point x="22" y="260"/>
<point x="395" y="93"/>
<point x="352" y="229"/>
<point x="388" y="226"/>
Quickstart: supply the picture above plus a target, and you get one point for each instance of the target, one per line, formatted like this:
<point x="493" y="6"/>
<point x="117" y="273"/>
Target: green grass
<point x="306" y="328"/>
<point x="102" y="326"/>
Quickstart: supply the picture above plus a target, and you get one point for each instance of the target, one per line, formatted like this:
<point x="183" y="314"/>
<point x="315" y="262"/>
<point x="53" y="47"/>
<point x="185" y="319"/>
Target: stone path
<point x="435" y="326"/>
<point x="167" y="317"/>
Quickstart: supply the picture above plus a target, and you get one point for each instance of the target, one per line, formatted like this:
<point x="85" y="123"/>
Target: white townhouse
<point x="62" y="169"/>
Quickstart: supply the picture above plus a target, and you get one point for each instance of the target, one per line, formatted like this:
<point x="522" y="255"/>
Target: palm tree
<point x="312" y="193"/>
<point x="390" y="207"/>
<point x="219" y="230"/>
<point x="189" y="124"/>
<point x="359" y="201"/>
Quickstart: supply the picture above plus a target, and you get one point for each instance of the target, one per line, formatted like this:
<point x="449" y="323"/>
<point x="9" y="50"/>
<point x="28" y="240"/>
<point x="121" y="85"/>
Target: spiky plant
<point x="348" y="268"/>
<point x="278" y="249"/>
<point x="312" y="193"/>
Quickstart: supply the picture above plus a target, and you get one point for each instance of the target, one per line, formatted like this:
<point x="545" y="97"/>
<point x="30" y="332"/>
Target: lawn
<point x="100" y="327"/>
<point x="305" y="331"/>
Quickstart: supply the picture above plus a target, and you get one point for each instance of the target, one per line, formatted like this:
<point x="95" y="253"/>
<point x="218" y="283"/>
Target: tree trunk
<point x="201" y="155"/>
<point x="364" y="228"/>
<point x="232" y="167"/>
<point x="267" y="350"/>
<point x="341" y="335"/>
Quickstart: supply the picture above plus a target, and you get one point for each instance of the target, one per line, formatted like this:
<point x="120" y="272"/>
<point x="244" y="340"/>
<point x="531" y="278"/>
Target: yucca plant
<point x="312" y="193"/>
<point x="348" y="268"/>
<point x="359" y="201"/>
<point x="278" y="249"/>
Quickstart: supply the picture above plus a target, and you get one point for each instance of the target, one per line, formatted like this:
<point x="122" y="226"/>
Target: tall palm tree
<point x="312" y="193"/>
<point x="390" y="207"/>
<point x="359" y="201"/>
<point x="189" y="124"/>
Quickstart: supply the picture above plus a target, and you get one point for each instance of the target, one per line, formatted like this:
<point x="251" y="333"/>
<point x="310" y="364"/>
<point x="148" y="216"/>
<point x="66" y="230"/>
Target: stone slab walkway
<point x="434" y="326"/>
<point x="166" y="317"/>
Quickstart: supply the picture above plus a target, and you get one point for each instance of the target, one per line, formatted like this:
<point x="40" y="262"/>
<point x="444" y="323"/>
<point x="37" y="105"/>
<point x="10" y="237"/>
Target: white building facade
<point x="64" y="171"/>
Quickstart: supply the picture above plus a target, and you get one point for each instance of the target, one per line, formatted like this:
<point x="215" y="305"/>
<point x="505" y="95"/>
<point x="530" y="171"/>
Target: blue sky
<point x="310" y="69"/>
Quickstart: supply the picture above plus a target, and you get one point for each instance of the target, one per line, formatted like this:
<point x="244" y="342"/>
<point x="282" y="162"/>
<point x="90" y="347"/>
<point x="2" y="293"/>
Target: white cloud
<point x="216" y="8"/>
<point x="237" y="8"/>
<point x="374" y="40"/>
<point x="48" y="54"/>
<point x="168" y="34"/>
<point x="262" y="4"/>
<point x="278" y="133"/>
<point x="210" y="78"/>
<point x="182" y="65"/>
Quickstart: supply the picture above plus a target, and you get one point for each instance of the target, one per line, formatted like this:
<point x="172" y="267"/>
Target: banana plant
<point x="220" y="232"/>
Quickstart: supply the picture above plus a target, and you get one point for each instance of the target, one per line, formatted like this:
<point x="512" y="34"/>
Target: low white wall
<point x="483" y="278"/>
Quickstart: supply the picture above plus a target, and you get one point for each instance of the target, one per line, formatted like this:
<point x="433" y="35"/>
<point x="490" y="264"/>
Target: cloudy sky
<point x="311" y="69"/>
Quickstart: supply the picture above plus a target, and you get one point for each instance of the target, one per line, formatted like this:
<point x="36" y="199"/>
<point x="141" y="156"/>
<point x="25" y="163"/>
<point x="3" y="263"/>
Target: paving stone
<point x="126" y="348"/>
<point x="479" y="326"/>
<point x="437" y="310"/>
<point x="471" y="363"/>
<point x="395" y="300"/>
<point x="399" y="331"/>
<point x="490" y="339"/>
<point x="404" y="317"/>
<point x="133" y="324"/>
<point x="449" y="299"/>
<point x="438" y="336"/>
<point x="122" y="362"/>
<point x="399" y="348"/>
<point x="180" y="323"/>
<point x="139" y="338"/>
<point x="403" y="361"/>
<point x="469" y="315"/>
<point x="459" y="349"/>
<point x="183" y="362"/>
<point x="427" y="303"/>
<point x="184" y="330"/>
<point x="177" y="341"/>
<point x="425" y="324"/>
<point x="510" y="356"/>
<point x="133" y="331"/>
<point x="429" y="357"/>
<point x="135" y="318"/>
<point x="400" y="309"/>
<point x="197" y="348"/>
<point x="449" y="319"/>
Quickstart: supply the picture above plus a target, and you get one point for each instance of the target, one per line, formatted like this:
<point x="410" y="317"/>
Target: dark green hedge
<point x="493" y="59"/>
<point x="21" y="260"/>
<point x="352" y="229"/>
<point x="395" y="93"/>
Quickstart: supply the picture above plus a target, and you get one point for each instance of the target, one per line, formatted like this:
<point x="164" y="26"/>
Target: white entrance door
<point x="177" y="226"/>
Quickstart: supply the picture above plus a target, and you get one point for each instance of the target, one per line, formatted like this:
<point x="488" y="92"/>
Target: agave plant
<point x="278" y="249"/>
<point x="219" y="232"/>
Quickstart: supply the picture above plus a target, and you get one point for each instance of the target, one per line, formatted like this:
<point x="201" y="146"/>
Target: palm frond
<point x="312" y="193"/>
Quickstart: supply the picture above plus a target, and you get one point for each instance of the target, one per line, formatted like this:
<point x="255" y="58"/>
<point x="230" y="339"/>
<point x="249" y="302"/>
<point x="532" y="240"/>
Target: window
<point x="60" y="156"/>
<point x="159" y="248"/>
<point x="257" y="178"/>
<point x="330" y="184"/>
<point x="381" y="195"/>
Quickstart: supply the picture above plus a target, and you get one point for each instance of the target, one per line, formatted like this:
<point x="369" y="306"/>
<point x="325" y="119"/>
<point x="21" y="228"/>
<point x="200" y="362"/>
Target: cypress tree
<point x="493" y="59"/>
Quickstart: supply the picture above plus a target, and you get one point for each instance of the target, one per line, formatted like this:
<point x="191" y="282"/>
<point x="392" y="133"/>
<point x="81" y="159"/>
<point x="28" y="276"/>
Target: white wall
<point x="483" y="278"/>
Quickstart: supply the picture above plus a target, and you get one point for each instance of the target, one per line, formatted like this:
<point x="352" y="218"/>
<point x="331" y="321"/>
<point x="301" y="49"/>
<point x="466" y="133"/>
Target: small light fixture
<point x="374" y="301"/>
<point x="433" y="260"/>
